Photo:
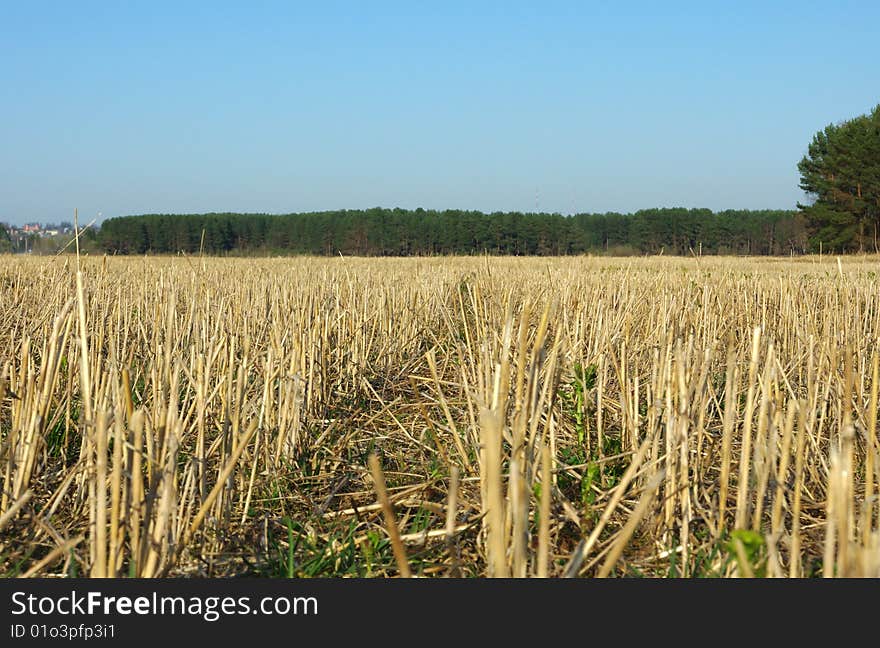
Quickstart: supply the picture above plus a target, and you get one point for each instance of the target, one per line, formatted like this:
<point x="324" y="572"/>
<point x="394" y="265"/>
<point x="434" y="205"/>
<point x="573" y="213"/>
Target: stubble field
<point x="439" y="417"/>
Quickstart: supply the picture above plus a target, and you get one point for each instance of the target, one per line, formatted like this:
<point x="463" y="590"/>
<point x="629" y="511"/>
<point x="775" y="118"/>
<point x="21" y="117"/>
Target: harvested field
<point x="179" y="416"/>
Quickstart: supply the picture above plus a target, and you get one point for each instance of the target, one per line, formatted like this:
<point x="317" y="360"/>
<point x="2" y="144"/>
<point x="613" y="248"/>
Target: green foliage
<point x="755" y="550"/>
<point x="591" y="476"/>
<point x="584" y="380"/>
<point x="5" y="240"/>
<point x="585" y="377"/>
<point x="421" y="520"/>
<point x="304" y="554"/>
<point x="841" y="171"/>
<point x="598" y="473"/>
<point x="55" y="440"/>
<point x="704" y="560"/>
<point x="570" y="457"/>
<point x="399" y="232"/>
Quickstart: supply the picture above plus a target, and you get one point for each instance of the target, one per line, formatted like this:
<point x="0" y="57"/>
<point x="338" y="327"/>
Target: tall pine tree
<point x="841" y="171"/>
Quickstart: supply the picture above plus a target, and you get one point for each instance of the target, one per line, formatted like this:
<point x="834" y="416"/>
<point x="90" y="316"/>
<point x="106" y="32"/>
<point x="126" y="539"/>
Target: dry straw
<point x="561" y="417"/>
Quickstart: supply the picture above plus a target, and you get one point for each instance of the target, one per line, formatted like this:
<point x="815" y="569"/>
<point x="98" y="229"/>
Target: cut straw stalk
<point x="390" y="521"/>
<point x="13" y="510"/>
<point x="51" y="557"/>
<point x="99" y="568"/>
<point x="800" y="457"/>
<point x="871" y="451"/>
<point x="730" y="384"/>
<point x="631" y="524"/>
<point x="544" y="515"/>
<point x="451" y="514"/>
<point x="742" y="488"/>
<point x="496" y="544"/>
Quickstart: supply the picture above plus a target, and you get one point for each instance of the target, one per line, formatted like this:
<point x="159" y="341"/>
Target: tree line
<point x="401" y="232"/>
<point x="5" y="239"/>
<point x="840" y="173"/>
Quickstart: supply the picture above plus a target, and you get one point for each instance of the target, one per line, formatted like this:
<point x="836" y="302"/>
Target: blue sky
<point x="143" y="107"/>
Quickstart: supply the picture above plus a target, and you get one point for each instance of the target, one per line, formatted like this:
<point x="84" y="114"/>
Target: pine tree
<point x="842" y="172"/>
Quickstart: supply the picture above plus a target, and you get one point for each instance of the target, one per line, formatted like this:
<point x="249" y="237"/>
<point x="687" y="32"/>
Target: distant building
<point x="31" y="227"/>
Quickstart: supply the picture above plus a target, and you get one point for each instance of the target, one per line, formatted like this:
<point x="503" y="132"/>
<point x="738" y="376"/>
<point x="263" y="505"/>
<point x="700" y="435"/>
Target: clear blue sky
<point x="125" y="108"/>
